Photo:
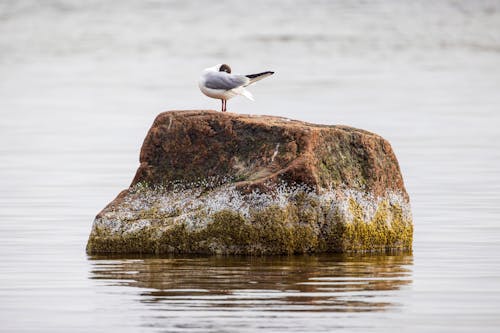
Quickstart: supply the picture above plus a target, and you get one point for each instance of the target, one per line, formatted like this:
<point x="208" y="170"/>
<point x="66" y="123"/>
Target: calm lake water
<point x="81" y="82"/>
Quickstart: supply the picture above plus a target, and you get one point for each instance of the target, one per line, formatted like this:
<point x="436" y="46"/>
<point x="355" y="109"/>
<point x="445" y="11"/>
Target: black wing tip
<point x="252" y="76"/>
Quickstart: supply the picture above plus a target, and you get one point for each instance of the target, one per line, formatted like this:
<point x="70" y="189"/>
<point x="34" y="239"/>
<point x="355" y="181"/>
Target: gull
<point x="218" y="82"/>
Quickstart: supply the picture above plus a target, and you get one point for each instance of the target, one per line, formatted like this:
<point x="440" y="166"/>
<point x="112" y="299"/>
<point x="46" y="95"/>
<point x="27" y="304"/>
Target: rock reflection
<point x="297" y="283"/>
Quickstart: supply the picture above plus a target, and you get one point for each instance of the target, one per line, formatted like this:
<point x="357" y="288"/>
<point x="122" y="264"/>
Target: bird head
<point x="219" y="68"/>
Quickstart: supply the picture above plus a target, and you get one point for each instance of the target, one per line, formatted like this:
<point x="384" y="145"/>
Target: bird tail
<point x="242" y="91"/>
<point x="259" y="76"/>
<point x="247" y="94"/>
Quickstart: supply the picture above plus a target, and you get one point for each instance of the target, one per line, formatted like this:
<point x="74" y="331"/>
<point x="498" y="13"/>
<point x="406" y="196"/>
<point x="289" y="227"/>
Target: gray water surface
<point x="81" y="82"/>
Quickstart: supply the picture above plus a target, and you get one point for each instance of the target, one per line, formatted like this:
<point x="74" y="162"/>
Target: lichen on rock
<point x="223" y="183"/>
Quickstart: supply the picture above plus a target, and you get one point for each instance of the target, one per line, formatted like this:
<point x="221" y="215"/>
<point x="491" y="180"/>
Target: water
<point x="81" y="82"/>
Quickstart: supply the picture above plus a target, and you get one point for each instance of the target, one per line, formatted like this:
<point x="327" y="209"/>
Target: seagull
<point x="218" y="82"/>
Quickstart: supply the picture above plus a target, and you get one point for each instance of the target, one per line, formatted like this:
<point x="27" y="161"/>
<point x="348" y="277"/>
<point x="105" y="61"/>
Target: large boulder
<point x="212" y="182"/>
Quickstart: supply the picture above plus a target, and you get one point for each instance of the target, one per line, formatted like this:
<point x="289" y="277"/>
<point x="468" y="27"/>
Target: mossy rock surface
<point x="212" y="182"/>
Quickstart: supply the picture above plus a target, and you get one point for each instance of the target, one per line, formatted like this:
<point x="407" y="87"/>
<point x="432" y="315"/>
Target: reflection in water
<point x="327" y="283"/>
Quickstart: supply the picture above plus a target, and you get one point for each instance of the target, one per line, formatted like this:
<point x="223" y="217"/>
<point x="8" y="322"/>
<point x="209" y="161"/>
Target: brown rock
<point x="212" y="182"/>
<point x="257" y="151"/>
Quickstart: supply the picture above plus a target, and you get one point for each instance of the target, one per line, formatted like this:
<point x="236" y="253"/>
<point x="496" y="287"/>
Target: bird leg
<point x="224" y="105"/>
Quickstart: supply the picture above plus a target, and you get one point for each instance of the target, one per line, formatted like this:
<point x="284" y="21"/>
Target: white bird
<point x="218" y="82"/>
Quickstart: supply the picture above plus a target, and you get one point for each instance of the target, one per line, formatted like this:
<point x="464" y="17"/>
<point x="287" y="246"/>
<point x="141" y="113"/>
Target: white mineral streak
<point x="276" y="150"/>
<point x="194" y="203"/>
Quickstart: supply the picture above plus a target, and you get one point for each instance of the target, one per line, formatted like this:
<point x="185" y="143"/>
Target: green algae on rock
<point x="212" y="182"/>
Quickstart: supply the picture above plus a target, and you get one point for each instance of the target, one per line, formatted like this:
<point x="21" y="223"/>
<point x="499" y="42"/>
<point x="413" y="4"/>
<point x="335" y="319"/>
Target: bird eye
<point x="225" y="68"/>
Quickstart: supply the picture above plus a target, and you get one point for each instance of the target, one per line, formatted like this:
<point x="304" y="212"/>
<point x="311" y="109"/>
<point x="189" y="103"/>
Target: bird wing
<point x="224" y="81"/>
<point x="259" y="76"/>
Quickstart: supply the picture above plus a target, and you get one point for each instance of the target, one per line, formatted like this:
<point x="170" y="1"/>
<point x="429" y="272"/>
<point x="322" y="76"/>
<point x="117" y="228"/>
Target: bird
<point x="218" y="82"/>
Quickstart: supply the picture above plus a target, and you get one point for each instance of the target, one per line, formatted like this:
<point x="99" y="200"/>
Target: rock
<point x="212" y="182"/>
